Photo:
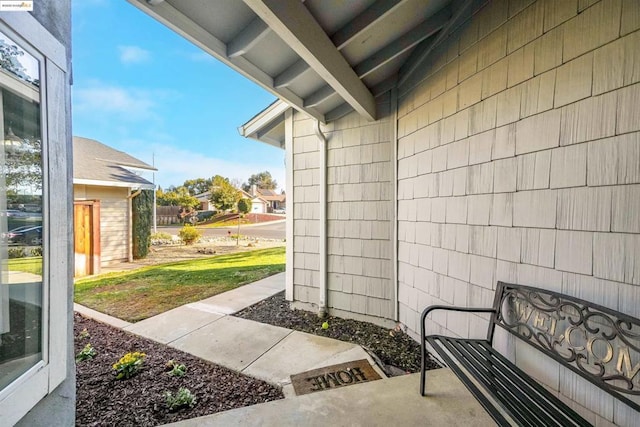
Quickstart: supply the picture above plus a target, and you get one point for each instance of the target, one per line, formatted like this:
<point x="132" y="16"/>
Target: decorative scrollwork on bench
<point x="599" y="343"/>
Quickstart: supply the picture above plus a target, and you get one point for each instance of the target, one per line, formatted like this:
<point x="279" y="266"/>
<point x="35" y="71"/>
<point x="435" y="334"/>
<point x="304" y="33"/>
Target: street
<point x="269" y="230"/>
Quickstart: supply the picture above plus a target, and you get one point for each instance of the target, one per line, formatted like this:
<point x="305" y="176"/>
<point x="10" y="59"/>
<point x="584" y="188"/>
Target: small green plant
<point x="181" y="399"/>
<point x="325" y="325"/>
<point x="189" y="234"/>
<point x="176" y="369"/>
<point x="128" y="365"/>
<point x="84" y="334"/>
<point x="86" y="353"/>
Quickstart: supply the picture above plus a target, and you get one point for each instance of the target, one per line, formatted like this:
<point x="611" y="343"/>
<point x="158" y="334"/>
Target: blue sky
<point x="141" y="88"/>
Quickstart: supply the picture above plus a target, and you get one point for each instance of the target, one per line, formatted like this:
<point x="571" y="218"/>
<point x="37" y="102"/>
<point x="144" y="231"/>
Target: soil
<point x="396" y="352"/>
<point x="103" y="400"/>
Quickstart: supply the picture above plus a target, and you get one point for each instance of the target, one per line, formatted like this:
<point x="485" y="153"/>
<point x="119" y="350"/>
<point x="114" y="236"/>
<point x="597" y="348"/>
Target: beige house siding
<point x="359" y="214"/>
<point x="114" y="220"/>
<point x="518" y="160"/>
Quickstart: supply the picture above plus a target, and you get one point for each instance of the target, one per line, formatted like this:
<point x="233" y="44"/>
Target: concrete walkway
<point x="206" y="329"/>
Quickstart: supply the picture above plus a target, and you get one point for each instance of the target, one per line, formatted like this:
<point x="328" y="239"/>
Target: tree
<point x="224" y="196"/>
<point x="261" y="180"/>
<point x="244" y="207"/>
<point x="198" y="185"/>
<point x="177" y="197"/>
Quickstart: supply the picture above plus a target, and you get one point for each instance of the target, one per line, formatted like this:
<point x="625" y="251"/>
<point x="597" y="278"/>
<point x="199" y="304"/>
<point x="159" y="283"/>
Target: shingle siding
<point x="534" y="174"/>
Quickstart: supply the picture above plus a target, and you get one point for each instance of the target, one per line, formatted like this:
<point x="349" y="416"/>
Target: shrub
<point x="128" y="365"/>
<point x="16" y="253"/>
<point x="86" y="353"/>
<point x="182" y="398"/>
<point x="189" y="234"/>
<point x="205" y="215"/>
<point x="36" y="251"/>
<point x="142" y="218"/>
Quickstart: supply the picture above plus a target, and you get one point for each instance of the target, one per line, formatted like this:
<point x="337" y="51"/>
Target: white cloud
<point x="125" y="103"/>
<point x="133" y="54"/>
<point x="176" y="165"/>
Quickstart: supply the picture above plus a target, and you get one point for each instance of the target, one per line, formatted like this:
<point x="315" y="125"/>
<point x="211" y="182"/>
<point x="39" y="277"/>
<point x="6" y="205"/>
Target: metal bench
<point x="599" y="344"/>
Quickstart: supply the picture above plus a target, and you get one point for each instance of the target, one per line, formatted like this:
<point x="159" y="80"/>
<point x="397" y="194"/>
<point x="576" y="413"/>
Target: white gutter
<point x="322" y="300"/>
<point x="290" y="254"/>
<point x="101" y="183"/>
<point x="394" y="226"/>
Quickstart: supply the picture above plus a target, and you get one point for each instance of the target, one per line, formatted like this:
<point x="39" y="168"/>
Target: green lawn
<point x="28" y="265"/>
<point x="139" y="294"/>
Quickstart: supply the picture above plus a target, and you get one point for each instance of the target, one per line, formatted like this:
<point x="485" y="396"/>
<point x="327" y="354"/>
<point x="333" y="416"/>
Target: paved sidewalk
<point x="206" y="329"/>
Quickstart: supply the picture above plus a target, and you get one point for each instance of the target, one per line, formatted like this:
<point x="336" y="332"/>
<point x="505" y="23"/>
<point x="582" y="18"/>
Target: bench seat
<point x="595" y="342"/>
<point x="507" y="393"/>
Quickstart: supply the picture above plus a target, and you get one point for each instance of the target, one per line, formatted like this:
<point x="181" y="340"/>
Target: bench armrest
<point x="431" y="308"/>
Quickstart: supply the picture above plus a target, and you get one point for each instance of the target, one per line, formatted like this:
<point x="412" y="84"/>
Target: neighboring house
<point x="104" y="184"/>
<point x="205" y="201"/>
<point x="258" y="203"/>
<point x="434" y="148"/>
<point x="274" y="201"/>
<point x="37" y="367"/>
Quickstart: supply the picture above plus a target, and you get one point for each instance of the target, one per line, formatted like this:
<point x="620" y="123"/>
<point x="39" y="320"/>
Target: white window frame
<point x="24" y="393"/>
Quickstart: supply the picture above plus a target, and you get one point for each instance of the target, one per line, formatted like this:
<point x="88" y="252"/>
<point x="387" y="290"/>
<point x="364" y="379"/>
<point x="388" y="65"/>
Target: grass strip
<point x="148" y="291"/>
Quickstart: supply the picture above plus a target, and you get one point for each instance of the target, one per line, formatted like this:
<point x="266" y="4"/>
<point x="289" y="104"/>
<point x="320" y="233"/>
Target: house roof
<point x="97" y="164"/>
<point x="323" y="57"/>
<point x="270" y="195"/>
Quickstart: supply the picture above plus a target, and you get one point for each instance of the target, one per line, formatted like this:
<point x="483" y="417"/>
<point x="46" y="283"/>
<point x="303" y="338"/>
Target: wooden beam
<point x="460" y="15"/>
<point x="345" y="35"/>
<point x="248" y="38"/>
<point x="404" y="43"/>
<point x="319" y="96"/>
<point x="166" y="14"/>
<point x="373" y="14"/>
<point x="287" y="77"/>
<point x="293" y="22"/>
<point x="340" y="111"/>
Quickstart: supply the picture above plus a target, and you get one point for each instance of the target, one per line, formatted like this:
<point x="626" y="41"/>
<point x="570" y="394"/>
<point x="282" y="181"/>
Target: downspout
<point x="394" y="227"/>
<point x="130" y="228"/>
<point x="322" y="300"/>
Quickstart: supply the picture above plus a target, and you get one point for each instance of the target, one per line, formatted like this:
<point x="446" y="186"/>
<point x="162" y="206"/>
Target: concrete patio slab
<point x="388" y="402"/>
<point x="240" y="298"/>
<point x="231" y="342"/>
<point x="173" y="324"/>
<point x="300" y="352"/>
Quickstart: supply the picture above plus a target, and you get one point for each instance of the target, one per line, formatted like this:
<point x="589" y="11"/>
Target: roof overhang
<point x="323" y="57"/>
<point x="268" y="125"/>
<point x="119" y="184"/>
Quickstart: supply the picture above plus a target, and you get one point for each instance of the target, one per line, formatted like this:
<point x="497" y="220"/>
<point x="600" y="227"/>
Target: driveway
<point x="269" y="230"/>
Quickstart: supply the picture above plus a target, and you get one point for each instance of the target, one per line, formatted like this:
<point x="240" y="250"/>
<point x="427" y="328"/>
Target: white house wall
<point x="519" y="160"/>
<point x="359" y="214"/>
<point x="114" y="220"/>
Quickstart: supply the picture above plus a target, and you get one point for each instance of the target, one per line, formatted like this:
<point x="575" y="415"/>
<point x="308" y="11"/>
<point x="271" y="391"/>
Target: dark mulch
<point x="397" y="351"/>
<point x="102" y="400"/>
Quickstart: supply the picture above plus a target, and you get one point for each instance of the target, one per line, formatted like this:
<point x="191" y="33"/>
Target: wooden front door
<point x="86" y="241"/>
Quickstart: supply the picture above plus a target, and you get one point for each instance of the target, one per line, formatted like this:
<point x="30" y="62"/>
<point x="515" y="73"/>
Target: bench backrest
<point x="600" y="344"/>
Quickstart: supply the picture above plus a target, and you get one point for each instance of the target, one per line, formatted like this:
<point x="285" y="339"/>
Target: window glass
<point x="21" y="226"/>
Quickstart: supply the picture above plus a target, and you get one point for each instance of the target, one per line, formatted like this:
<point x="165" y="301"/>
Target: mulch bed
<point x="397" y="351"/>
<point x="102" y="400"/>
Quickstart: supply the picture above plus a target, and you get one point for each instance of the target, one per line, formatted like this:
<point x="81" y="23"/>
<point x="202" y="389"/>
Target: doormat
<point x="335" y="376"/>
